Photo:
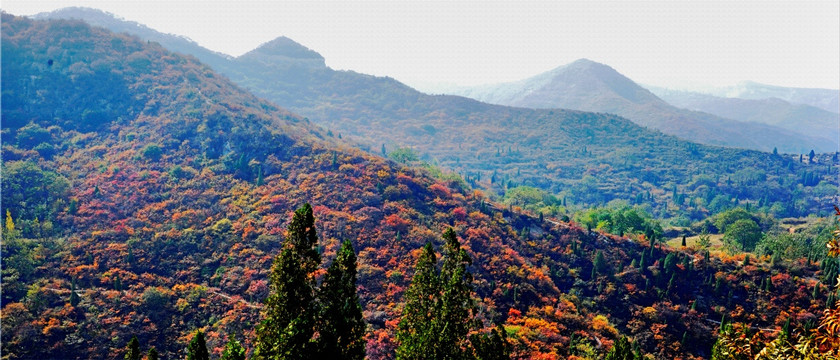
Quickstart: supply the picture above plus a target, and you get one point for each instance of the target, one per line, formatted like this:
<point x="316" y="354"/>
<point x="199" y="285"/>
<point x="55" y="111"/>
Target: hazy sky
<point x="666" y="43"/>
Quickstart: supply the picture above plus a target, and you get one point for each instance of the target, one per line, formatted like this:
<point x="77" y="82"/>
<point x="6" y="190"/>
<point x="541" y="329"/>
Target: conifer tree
<point x="133" y="349"/>
<point x="418" y="327"/>
<point x="74" y="298"/>
<point x="600" y="263"/>
<point x="233" y="350"/>
<point x="153" y="354"/>
<point x="457" y="306"/>
<point x="197" y="350"/>
<point x="340" y="323"/>
<point x="491" y="346"/>
<point x="439" y="309"/>
<point x="621" y="350"/>
<point x="289" y="315"/>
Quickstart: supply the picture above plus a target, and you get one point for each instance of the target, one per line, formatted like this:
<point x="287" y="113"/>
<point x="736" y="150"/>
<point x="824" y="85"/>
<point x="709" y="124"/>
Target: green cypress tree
<point x="153" y="355"/>
<point x="417" y="330"/>
<point x="289" y="315"/>
<point x="457" y="305"/>
<point x="197" y="349"/>
<point x="600" y="263"/>
<point x="74" y="298"/>
<point x="439" y="310"/>
<point x="621" y="350"/>
<point x="233" y="350"/>
<point x="491" y="346"/>
<point x="340" y="324"/>
<point x="133" y="349"/>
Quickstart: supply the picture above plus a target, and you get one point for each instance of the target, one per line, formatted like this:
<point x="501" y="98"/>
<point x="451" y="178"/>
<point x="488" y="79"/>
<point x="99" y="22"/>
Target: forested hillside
<point x="145" y="195"/>
<point x="586" y="158"/>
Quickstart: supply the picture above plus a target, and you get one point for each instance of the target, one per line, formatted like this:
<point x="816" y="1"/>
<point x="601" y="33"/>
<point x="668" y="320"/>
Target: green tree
<point x="74" y="298"/>
<point x="417" y="331"/>
<point x="744" y="232"/>
<point x="457" y="307"/>
<point x="439" y="309"/>
<point x="133" y="349"/>
<point x="197" y="349"/>
<point x="600" y="263"/>
<point x="340" y="323"/>
<point x="233" y="350"/>
<point x="491" y="346"/>
<point x="621" y="350"/>
<point x="289" y="315"/>
<point x="153" y="354"/>
<point x="403" y="155"/>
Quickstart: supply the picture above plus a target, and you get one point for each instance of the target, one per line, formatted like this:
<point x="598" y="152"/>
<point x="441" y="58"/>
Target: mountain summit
<point x="283" y="49"/>
<point x="590" y="86"/>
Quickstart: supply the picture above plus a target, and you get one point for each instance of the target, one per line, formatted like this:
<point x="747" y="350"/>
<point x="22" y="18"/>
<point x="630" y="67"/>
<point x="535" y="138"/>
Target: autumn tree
<point x="340" y="324"/>
<point x="197" y="349"/>
<point x="288" y="321"/>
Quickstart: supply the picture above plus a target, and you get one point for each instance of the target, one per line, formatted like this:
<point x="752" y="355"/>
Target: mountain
<point x="590" y="86"/>
<point x="591" y="159"/>
<point x="156" y="191"/>
<point x="805" y="119"/>
<point x="826" y="99"/>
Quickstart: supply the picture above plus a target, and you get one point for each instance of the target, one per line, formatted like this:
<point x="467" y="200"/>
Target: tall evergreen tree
<point x="133" y="349"/>
<point x="197" y="349"/>
<point x="621" y="350"/>
<point x="457" y="308"/>
<point x="153" y="354"/>
<point x="289" y="314"/>
<point x="492" y="346"/>
<point x="233" y="350"/>
<point x="418" y="327"/>
<point x="439" y="309"/>
<point x="340" y="323"/>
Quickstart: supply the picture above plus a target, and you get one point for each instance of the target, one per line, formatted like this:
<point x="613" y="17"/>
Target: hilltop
<point x="588" y="158"/>
<point x="158" y="191"/>
<point x="590" y="86"/>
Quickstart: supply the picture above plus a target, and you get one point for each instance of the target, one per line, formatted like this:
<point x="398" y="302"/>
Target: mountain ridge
<point x="590" y="86"/>
<point x="591" y="158"/>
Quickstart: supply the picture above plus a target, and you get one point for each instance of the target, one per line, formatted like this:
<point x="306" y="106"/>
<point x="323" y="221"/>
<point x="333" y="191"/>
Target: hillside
<point x="805" y="119"/>
<point x="590" y="86"/>
<point x="590" y="159"/>
<point x="158" y="191"/>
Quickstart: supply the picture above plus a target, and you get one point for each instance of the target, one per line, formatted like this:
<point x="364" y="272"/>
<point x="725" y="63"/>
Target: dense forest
<point x="149" y="203"/>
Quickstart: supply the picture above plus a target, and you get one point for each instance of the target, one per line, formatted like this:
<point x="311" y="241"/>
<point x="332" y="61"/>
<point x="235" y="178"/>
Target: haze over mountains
<point x="590" y="86"/>
<point x="826" y="99"/>
<point x="797" y="117"/>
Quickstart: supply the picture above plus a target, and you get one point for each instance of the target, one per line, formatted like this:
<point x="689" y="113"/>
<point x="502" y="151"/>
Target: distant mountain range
<point x="590" y="86"/>
<point x="805" y="119"/>
<point x="592" y="158"/>
<point x="826" y="99"/>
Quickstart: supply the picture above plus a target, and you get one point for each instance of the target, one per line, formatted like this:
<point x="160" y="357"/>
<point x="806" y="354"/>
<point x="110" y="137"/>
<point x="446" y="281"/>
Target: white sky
<point x="681" y="44"/>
